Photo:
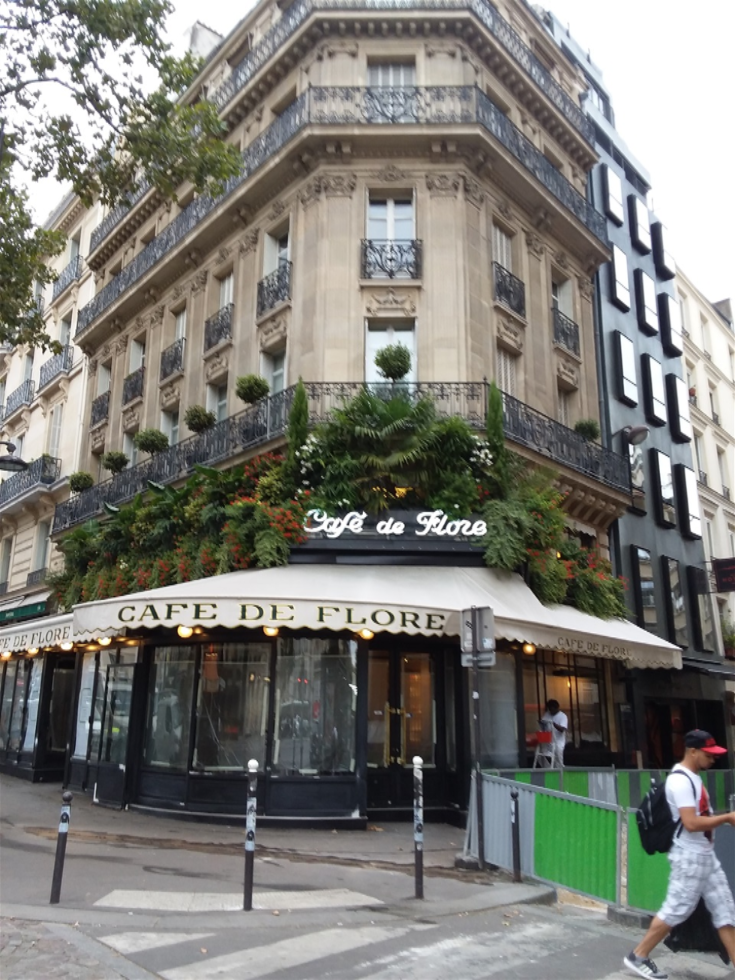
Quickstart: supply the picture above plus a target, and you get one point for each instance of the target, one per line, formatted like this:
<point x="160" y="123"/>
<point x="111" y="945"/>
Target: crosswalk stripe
<point x="260" y="961"/>
<point x="141" y="942"/>
<point x="325" y="898"/>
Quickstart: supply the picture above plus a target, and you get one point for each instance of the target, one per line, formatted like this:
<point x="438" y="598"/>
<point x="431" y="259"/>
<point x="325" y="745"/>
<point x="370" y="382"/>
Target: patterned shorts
<point x="696" y="875"/>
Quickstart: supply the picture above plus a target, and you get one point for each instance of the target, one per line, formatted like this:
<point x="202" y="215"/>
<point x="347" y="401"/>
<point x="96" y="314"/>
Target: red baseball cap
<point x="699" y="739"/>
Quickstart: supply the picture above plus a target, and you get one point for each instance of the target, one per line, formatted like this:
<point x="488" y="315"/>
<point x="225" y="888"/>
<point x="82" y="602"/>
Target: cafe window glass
<point x="7" y="704"/>
<point x="35" y="668"/>
<point x="675" y="602"/>
<point x="663" y="488"/>
<point x="84" y="708"/>
<point x="315" y="702"/>
<point x="169" y="707"/>
<point x="105" y="659"/>
<point x="232" y="705"/>
<point x="644" y="585"/>
<point x="15" y="729"/>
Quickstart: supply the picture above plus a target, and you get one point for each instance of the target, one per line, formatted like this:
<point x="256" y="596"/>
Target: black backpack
<point x="656" y="826"/>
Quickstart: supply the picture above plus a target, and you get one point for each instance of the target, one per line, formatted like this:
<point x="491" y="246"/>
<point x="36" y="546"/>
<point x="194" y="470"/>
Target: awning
<point x="23" y="606"/>
<point x="415" y="600"/>
<point x="722" y="669"/>
<point x="50" y="631"/>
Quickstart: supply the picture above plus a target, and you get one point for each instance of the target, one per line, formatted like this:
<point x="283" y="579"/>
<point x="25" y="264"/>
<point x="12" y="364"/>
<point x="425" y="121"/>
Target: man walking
<point x="695" y="870"/>
<point x="555" y="721"/>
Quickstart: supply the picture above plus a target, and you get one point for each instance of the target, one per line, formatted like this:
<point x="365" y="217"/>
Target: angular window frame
<point x="612" y="195"/>
<point x="626" y="365"/>
<point x="690" y="516"/>
<point x="619" y="279"/>
<point x="677" y="397"/>
<point x="640" y="224"/>
<point x="662" y="479"/>
<point x="670" y="324"/>
<point x="645" y="302"/>
<point x="665" y="264"/>
<point x="638" y="558"/>
<point x="675" y="594"/>
<point x="654" y="389"/>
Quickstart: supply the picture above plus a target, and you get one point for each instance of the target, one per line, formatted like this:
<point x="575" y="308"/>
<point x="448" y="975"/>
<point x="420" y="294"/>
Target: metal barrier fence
<point x="578" y="831"/>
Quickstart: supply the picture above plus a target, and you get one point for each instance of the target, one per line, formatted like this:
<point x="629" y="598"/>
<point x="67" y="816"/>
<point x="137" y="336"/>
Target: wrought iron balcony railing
<point x="58" y="364"/>
<point x="509" y="290"/>
<point x="566" y="331"/>
<point x="218" y="327"/>
<point x="725" y="492"/>
<point x="37" y="577"/>
<point x="703" y="478"/>
<point x="693" y="400"/>
<point x="172" y="359"/>
<point x="69" y="275"/>
<point x="716" y="418"/>
<point x="133" y="386"/>
<point x="115" y="216"/>
<point x="391" y="259"/>
<point x="275" y="288"/>
<point x="100" y="409"/>
<point x="22" y="395"/>
<point x="268" y="420"/>
<point x="41" y="472"/>
<point x="441" y="106"/>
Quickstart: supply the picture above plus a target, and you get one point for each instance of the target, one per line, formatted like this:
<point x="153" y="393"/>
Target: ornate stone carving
<point x="567" y="373"/>
<point x="389" y="302"/>
<point x="131" y="419"/>
<point x="338" y="185"/>
<point x="504" y="209"/>
<point x="121" y="345"/>
<point x="310" y="192"/>
<point x="199" y="282"/>
<point x="443" y="185"/>
<point x="157" y="315"/>
<point x="586" y="287"/>
<point x="510" y="335"/>
<point x="390" y="174"/>
<point x="473" y="191"/>
<point x="276" y="211"/>
<point x="106" y="352"/>
<point x="434" y="48"/>
<point x="249" y="241"/>
<point x="170" y="394"/>
<point x="92" y="368"/>
<point x="331" y="48"/>
<point x="535" y="244"/>
<point x="179" y="290"/>
<point x="139" y="323"/>
<point x="562" y="260"/>
<point x="224" y="253"/>
<point x="273" y="333"/>
<point x="97" y="438"/>
<point x="216" y="367"/>
<point x="542" y="219"/>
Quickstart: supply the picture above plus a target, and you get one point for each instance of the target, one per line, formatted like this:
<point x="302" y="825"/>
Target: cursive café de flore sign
<point x="425" y="524"/>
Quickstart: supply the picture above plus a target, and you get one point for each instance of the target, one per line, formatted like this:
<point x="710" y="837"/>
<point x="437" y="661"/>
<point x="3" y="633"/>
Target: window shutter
<point x="55" y="431"/>
<point x="502" y="248"/>
<point x="506" y="372"/>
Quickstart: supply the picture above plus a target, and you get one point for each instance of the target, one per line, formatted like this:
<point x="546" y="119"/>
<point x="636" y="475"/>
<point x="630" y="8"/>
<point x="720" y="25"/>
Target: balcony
<point x="268" y="420"/>
<point x="693" y="400"/>
<point x="41" y="472"/>
<point x="566" y="331"/>
<point x="509" y="290"/>
<point x="703" y="478"/>
<point x="37" y="578"/>
<point x="441" y="106"/>
<point x="100" y="409"/>
<point x="115" y="216"/>
<point x="56" y="365"/>
<point x="716" y="418"/>
<point x="275" y="288"/>
<point x="391" y="259"/>
<point x="172" y="360"/>
<point x="218" y="328"/>
<point x="21" y="396"/>
<point x="133" y="386"/>
<point x="725" y="492"/>
<point x="69" y="275"/>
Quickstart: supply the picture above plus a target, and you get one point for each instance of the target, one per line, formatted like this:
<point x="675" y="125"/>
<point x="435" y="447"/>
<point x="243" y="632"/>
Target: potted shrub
<point x="692" y="392"/>
<point x="80" y="481"/>
<point x="728" y="637"/>
<point x="150" y="441"/>
<point x="199" y="419"/>
<point x="393" y="361"/>
<point x="250" y="388"/>
<point x="115" y="461"/>
<point x="588" y="429"/>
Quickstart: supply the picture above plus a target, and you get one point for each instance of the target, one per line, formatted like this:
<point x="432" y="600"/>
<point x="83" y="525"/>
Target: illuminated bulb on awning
<point x="366" y="634"/>
<point x="529" y="648"/>
<point x="65" y="646"/>
<point x="270" y="630"/>
<point x="105" y="641"/>
<point x="184" y="632"/>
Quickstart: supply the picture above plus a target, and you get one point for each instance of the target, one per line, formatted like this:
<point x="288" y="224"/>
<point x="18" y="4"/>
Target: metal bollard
<point x="516" y="834"/>
<point x="61" y="847"/>
<point x="418" y="824"/>
<point x="250" y="834"/>
<point x="732" y="802"/>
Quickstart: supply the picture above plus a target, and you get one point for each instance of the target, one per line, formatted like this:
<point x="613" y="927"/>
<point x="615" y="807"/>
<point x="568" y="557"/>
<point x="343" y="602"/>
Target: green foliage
<point x="250" y="388"/>
<point x="199" y="419"/>
<point x="80" y="481"/>
<point x="114" y="461"/>
<point x="298" y="431"/>
<point x="508" y="529"/>
<point x="501" y="477"/>
<point x="588" y="429"/>
<point x="728" y="633"/>
<point x="151" y="441"/>
<point x="393" y="361"/>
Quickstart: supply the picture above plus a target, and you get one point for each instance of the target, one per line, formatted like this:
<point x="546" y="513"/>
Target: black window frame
<point x="678" y="636"/>
<point x="698" y="581"/>
<point x="665" y="507"/>
<point x="619" y="283"/>
<point x="613" y="203"/>
<point x="625" y="384"/>
<point x="670" y="325"/>
<point x="655" y="407"/>
<point x="640" y="224"/>
<point x="645" y="302"/>
<point x="687" y="494"/>
<point x="677" y="398"/>
<point x="635" y="562"/>
<point x="664" y="261"/>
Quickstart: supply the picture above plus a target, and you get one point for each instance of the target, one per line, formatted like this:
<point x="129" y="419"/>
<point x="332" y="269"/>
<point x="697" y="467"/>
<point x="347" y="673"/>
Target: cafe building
<point x="333" y="673"/>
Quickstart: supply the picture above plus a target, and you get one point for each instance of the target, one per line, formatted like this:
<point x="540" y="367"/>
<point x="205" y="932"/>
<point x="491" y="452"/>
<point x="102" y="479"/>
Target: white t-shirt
<point x="680" y="793"/>
<point x="560" y="738"/>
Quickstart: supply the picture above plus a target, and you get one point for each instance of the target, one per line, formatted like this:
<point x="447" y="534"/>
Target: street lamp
<point x="9" y="461"/>
<point x="634" y="435"/>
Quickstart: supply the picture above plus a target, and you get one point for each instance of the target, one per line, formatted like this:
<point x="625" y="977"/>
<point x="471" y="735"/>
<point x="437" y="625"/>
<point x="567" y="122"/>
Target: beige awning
<point x="50" y="631"/>
<point x="415" y="600"/>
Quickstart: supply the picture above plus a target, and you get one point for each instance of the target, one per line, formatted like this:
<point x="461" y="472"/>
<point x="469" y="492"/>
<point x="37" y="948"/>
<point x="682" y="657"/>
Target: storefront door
<point x="402" y="723"/>
<point x="111" y="786"/>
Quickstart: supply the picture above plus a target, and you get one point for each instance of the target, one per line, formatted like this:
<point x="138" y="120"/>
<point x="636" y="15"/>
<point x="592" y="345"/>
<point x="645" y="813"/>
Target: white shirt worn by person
<point x="559" y="738"/>
<point x="681" y="793"/>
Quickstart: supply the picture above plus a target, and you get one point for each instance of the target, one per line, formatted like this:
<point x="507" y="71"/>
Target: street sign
<point x="483" y="659"/>
<point x="484" y="642"/>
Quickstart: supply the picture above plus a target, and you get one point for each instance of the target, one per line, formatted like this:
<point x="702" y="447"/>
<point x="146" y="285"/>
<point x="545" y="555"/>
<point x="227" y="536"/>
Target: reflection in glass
<point x="656" y="407"/>
<point x="16" y="715"/>
<point x="637" y="472"/>
<point x="681" y="422"/>
<point x="8" y="691"/>
<point x="692" y="518"/>
<point x="378" y="736"/>
<point x="620" y="281"/>
<point x="62" y="697"/>
<point x="169" y="707"/>
<point x="450" y="714"/>
<point x="628" y="381"/>
<point x="418" y="710"/>
<point x="84" y="708"/>
<point x="316" y="693"/>
<point x="675" y="602"/>
<point x="664" y="486"/>
<point x="645" y="585"/>
<point x="232" y="705"/>
<point x="499" y="723"/>
<point x="115" y="725"/>
<point x="34" y="694"/>
<point x="613" y="191"/>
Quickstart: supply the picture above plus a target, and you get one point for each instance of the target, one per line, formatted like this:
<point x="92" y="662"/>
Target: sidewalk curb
<point x="628" y="917"/>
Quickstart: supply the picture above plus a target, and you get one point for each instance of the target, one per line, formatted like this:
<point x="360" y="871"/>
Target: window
<point x="130" y="449"/>
<point x="55" y="419"/>
<point x="701" y="606"/>
<point x="561" y="297"/>
<point x="706" y="337"/>
<point x="688" y="498"/>
<point x="663" y="487"/>
<point x="653" y="386"/>
<point x="5" y="556"/>
<point x="678" y="397"/>
<point x="169" y="708"/>
<point x="28" y="366"/>
<point x="627" y="382"/>
<point x="180" y="324"/>
<point x="506" y="371"/>
<point x="65" y="332"/>
<point x="43" y="546"/>
<point x="170" y="426"/>
<point x="276" y="252"/>
<point x="665" y="265"/>
<point x="645" y="588"/>
<point x="274" y="370"/>
<point x="710" y="552"/>
<point x="382" y="333"/>
<point x="683" y="315"/>
<point x="619" y="283"/>
<point x="699" y="458"/>
<point x="675" y="604"/>
<point x="713" y="406"/>
<point x="724" y="474"/>
<point x="612" y="193"/>
<point x="104" y="377"/>
<point x="637" y="474"/>
<point x="20" y="444"/>
<point x="217" y="400"/>
<point x="502" y="248"/>
<point x="226" y="286"/>
<point x="389" y="250"/>
<point x="392" y="74"/>
<point x="645" y="301"/>
<point x="564" y="406"/>
<point x="137" y="354"/>
<point x="74" y="246"/>
<point x="669" y="316"/>
<point x="390" y="219"/>
<point x="640" y="225"/>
